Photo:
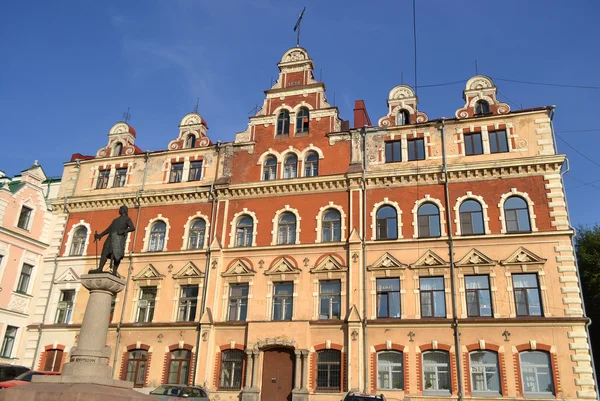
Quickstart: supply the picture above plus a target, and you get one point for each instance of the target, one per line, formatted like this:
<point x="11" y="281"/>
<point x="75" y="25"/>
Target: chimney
<point x="361" y="117"/>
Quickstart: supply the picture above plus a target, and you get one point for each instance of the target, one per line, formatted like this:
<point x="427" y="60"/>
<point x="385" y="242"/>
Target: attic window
<point x="482" y="108"/>
<point x="403" y="117"/>
<point x="118" y="149"/>
<point x="190" y="141"/>
<point x="283" y="123"/>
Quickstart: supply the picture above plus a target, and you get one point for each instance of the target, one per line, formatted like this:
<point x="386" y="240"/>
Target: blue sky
<point x="71" y="68"/>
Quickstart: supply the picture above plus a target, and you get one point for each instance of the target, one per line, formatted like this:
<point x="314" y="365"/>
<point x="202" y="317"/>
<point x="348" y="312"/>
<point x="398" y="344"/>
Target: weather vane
<point x="297" y="26"/>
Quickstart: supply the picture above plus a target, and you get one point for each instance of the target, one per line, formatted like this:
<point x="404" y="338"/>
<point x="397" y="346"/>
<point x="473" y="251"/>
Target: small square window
<point x="393" y="151"/>
<point x="473" y="144"/>
<point x="416" y="149"/>
<point x="498" y="142"/>
<point x="24" y="217"/>
<point x="176" y="174"/>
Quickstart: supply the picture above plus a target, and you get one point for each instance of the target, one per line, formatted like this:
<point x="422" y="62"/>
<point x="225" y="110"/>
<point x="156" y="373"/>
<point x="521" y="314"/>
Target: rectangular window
<point x="120" y="176"/>
<point x="24" y="278"/>
<point x="283" y="301"/>
<point x="188" y="301"/>
<point x="479" y="300"/>
<point x="146" y="303"/>
<point x="238" y="302"/>
<point x="527" y="294"/>
<point x="388" y="297"/>
<point x="232" y="362"/>
<point x="393" y="151"/>
<point x="102" y="179"/>
<point x="329" y="371"/>
<point x="65" y="306"/>
<point x="433" y="297"/>
<point x="329" y="299"/>
<point x="195" y="171"/>
<point x="24" y="217"/>
<point x="498" y="141"/>
<point x="8" y="342"/>
<point x="416" y="149"/>
<point x="473" y="144"/>
<point x="176" y="174"/>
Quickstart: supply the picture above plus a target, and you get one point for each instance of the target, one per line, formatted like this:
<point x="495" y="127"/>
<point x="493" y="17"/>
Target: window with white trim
<point x="283" y="300"/>
<point x="146" y="303"/>
<point x="157" y="236"/>
<point x="244" y="231"/>
<point x="387" y="223"/>
<point x="482" y="108"/>
<point x="232" y="361"/>
<point x="498" y="141"/>
<point x="428" y="217"/>
<point x="120" y="177"/>
<point x="331" y="226"/>
<point x="190" y="141"/>
<point x="436" y="372"/>
<point x="330" y="292"/>
<point x="188" y="301"/>
<point x="270" y="168"/>
<point x="485" y="373"/>
<point x="8" y="342"/>
<point x="286" y="229"/>
<point x="311" y="164"/>
<point x="536" y="373"/>
<point x="302" y="120"/>
<point x="24" y="278"/>
<point x="390" y="370"/>
<point x="416" y="149"/>
<point x="471" y="218"/>
<point x="238" y="302"/>
<point x="197" y="233"/>
<point x="78" y="241"/>
<point x="473" y="144"/>
<point x="24" y="217"/>
<point x="433" y="297"/>
<point x="176" y="173"/>
<point x="102" y="181"/>
<point x="290" y="166"/>
<point x="65" y="306"/>
<point x="195" y="173"/>
<point x="283" y="123"/>
<point x="527" y="294"/>
<point x="516" y="215"/>
<point x="479" y="300"/>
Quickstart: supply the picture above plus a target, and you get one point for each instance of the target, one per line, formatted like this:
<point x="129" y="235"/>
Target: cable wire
<point x="578" y="152"/>
<point x="547" y="84"/>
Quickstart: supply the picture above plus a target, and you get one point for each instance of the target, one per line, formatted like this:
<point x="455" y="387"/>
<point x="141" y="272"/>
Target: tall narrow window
<point x="479" y="300"/>
<point x="290" y="167"/>
<point x="516" y="214"/>
<point x="390" y="370"/>
<point x="8" y="342"/>
<point x="471" y="218"/>
<point x="24" y="217"/>
<point x="536" y="373"/>
<point x="473" y="144"/>
<point x="302" y="120"/>
<point x="270" y="169"/>
<point x="188" y="301"/>
<point x="102" y="179"/>
<point x="416" y="149"/>
<point x="428" y="217"/>
<point x="332" y="226"/>
<point x="118" y="149"/>
<point x="244" y="231"/>
<point x="388" y="297"/>
<point x="238" y="302"/>
<point x="24" y="278"/>
<point x="283" y="123"/>
<point x="195" y="171"/>
<point x="176" y="174"/>
<point x="283" y="301"/>
<point x="482" y="108"/>
<point x="53" y="361"/>
<point x="78" y="241"/>
<point x="433" y="297"/>
<point x="197" y="232"/>
<point x="157" y="236"/>
<point x="330" y="299"/>
<point x="120" y="177"/>
<point x="137" y="363"/>
<point x="436" y="372"/>
<point x="286" y="229"/>
<point x="232" y="361"/>
<point x="484" y="372"/>
<point x="527" y="294"/>
<point x="311" y="165"/>
<point x="65" y="306"/>
<point x="190" y="141"/>
<point x="145" y="312"/>
<point x="329" y="370"/>
<point x="387" y="223"/>
<point x="179" y="366"/>
<point x="393" y="151"/>
<point x="498" y="141"/>
<point x="403" y="117"/>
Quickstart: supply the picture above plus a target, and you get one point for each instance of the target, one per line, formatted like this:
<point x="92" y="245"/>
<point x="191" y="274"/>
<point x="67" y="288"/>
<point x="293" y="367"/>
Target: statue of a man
<point x="114" y="246"/>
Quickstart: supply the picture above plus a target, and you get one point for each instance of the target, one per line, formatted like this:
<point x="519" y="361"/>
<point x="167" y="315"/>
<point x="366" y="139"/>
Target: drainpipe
<point x="130" y="268"/>
<point x="207" y="266"/>
<point x="589" y="322"/>
<point x="363" y="134"/>
<point x="457" y="350"/>
<point x="60" y="246"/>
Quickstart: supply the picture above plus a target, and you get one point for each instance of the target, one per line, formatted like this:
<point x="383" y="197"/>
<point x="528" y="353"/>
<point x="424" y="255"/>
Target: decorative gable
<point x="402" y="104"/>
<point x="523" y="256"/>
<point x="239" y="267"/>
<point x="481" y="89"/>
<point x="430" y="259"/>
<point x="387" y="261"/>
<point x="192" y="133"/>
<point x="148" y="273"/>
<point x="190" y="270"/>
<point x="475" y="258"/>
<point x="328" y="263"/>
<point x="123" y="134"/>
<point x="69" y="276"/>
<point x="283" y="265"/>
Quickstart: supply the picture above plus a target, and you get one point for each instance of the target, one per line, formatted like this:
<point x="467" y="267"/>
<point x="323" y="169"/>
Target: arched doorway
<point x="278" y="374"/>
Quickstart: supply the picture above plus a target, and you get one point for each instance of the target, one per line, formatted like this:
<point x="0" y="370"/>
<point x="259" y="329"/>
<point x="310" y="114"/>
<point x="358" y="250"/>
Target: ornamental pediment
<point x="429" y="259"/>
<point x="475" y="258"/>
<point x="148" y="273"/>
<point x="523" y="256"/>
<point x="69" y="276"/>
<point x="387" y="261"/>
<point x="239" y="267"/>
<point x="189" y="270"/>
<point x="283" y="265"/>
<point x="328" y="263"/>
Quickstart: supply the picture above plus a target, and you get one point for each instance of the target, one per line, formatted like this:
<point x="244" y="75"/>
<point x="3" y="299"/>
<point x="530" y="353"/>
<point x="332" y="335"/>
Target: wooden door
<point x="278" y="375"/>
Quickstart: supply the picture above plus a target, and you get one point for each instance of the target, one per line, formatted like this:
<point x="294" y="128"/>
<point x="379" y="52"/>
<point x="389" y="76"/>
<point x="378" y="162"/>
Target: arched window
<point x="403" y="117"/>
<point x="485" y="374"/>
<point x="118" y="149"/>
<point x="78" y="241"/>
<point x="270" y="169"/>
<point x="157" y="236"/>
<point x="137" y="363"/>
<point x="179" y="366"/>
<point x="387" y="223"/>
<point x="244" y="231"/>
<point x="471" y="218"/>
<point x="190" y="141"/>
<point x="482" y="108"/>
<point x="197" y="231"/>
<point x="429" y="220"/>
<point x="290" y="166"/>
<point x="311" y="165"/>
<point x="436" y="371"/>
<point x="302" y="120"/>
<point x="329" y="362"/>
<point x="332" y="226"/>
<point x="536" y="373"/>
<point x="516" y="215"/>
<point x="283" y="123"/>
<point x="231" y="369"/>
<point x="286" y="229"/>
<point x="53" y="361"/>
<point x="390" y="370"/>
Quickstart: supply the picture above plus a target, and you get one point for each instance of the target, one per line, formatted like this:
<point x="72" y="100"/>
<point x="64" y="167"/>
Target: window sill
<point x="539" y="395"/>
<point x="229" y="389"/>
<point x="437" y="392"/>
<point x="282" y="136"/>
<point x="519" y="232"/>
<point x="486" y="394"/>
<point x="23" y="294"/>
<point x="301" y="134"/>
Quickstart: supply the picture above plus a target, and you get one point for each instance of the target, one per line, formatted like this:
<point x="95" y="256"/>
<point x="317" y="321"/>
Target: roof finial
<point x="297" y="26"/>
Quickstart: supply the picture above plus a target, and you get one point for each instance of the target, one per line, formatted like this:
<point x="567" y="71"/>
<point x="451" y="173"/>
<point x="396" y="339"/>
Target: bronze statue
<point x="114" y="246"/>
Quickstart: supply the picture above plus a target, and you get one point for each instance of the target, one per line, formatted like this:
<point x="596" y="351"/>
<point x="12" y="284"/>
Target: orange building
<point x="413" y="257"/>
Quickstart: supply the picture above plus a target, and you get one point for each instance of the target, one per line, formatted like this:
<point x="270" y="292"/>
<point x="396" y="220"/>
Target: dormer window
<point x="190" y="141"/>
<point x="118" y="149"/>
<point x="302" y="120"/>
<point x="403" y="117"/>
<point x="283" y="123"/>
<point x="482" y="108"/>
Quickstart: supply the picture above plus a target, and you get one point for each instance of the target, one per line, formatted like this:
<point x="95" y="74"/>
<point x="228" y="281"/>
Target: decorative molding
<point x="239" y="267"/>
<point x="523" y="256"/>
<point x="429" y="259"/>
<point x="387" y="261"/>
<point x="530" y="206"/>
<point x="475" y="258"/>
<point x="189" y="270"/>
<point x="148" y="273"/>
